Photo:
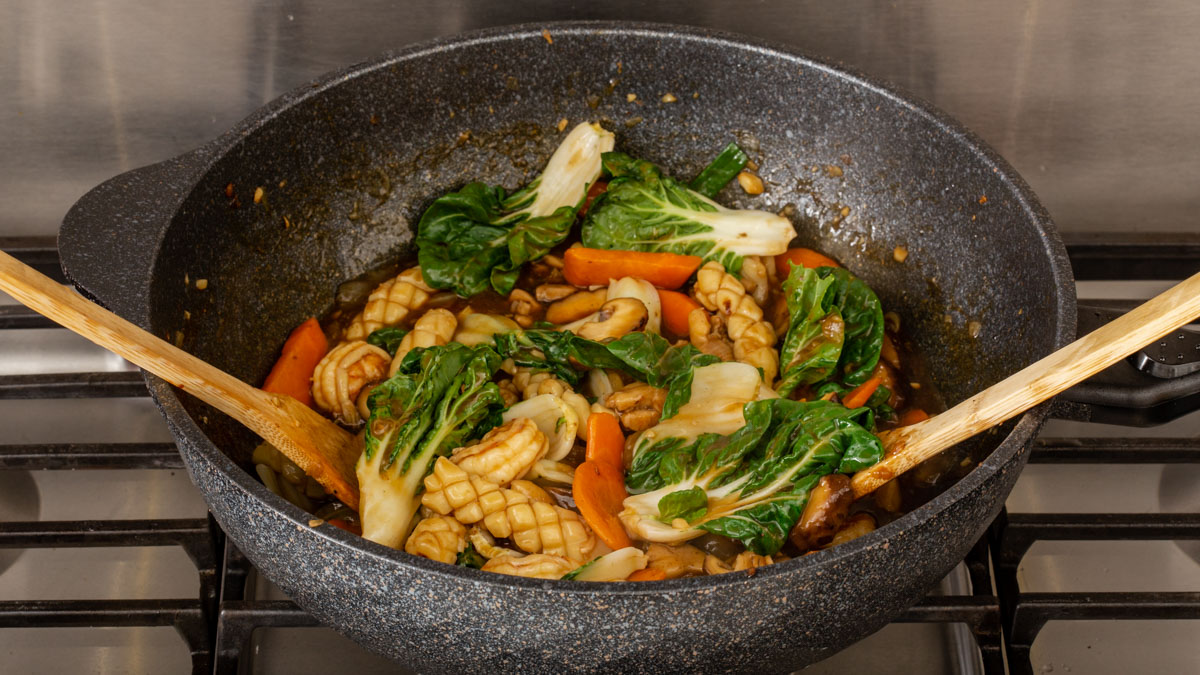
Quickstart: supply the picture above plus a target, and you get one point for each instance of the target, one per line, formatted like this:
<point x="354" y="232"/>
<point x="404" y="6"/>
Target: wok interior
<point x="346" y="170"/>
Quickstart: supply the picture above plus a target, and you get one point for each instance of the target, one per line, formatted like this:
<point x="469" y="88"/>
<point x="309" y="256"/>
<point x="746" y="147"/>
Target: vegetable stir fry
<point x="605" y="376"/>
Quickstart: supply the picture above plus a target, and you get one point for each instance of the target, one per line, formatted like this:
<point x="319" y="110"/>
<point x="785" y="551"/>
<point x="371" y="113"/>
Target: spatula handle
<point x="317" y="445"/>
<point x="909" y="446"/>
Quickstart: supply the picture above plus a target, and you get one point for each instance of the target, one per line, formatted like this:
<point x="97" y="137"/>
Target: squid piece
<point x="438" y="538"/>
<point x="534" y="526"/>
<point x="536" y="566"/>
<point x="675" y="561"/>
<point x="477" y="328"/>
<point x="504" y="453"/>
<point x="434" y="329"/>
<point x="343" y="373"/>
<point x="756" y="279"/>
<point x="706" y="332"/>
<point x="389" y="303"/>
<point x="753" y="337"/>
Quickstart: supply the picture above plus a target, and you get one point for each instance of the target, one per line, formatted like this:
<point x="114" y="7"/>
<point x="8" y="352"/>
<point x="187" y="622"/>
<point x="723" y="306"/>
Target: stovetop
<point x="109" y="562"/>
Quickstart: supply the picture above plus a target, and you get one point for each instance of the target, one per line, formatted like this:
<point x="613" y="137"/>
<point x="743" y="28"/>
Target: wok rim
<point x="1006" y="452"/>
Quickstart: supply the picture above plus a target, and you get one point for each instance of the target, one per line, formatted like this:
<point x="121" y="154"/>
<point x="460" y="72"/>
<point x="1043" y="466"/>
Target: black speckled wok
<point x="347" y="165"/>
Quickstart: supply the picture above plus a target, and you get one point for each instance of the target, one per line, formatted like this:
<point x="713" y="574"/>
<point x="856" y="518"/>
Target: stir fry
<point x="605" y="376"/>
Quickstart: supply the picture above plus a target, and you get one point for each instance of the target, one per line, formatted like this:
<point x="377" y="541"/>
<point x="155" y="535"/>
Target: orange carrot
<point x="859" y="396"/>
<point x="675" y="309"/>
<point x="599" y="491"/>
<point x="293" y="371"/>
<point x="343" y="524"/>
<point x="647" y="574"/>
<point x="804" y="257"/>
<point x="595" y="267"/>
<point x="594" y="190"/>
<point x="605" y="442"/>
<point x="912" y="416"/>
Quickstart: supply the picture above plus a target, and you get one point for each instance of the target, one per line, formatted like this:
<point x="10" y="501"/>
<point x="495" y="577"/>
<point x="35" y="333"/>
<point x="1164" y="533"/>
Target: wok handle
<point x="108" y="239"/>
<point x="323" y="449"/>
<point x="908" y="446"/>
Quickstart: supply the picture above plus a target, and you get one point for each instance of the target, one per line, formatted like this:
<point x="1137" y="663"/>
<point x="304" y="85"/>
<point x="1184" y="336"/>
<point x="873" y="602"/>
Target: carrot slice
<point x="292" y="373"/>
<point x="595" y="267"/>
<point x="912" y="416"/>
<point x="599" y="491"/>
<point x="594" y="190"/>
<point x="343" y="524"/>
<point x="859" y="396"/>
<point x="675" y="309"/>
<point x="804" y="257"/>
<point x="605" y="442"/>
<point x="647" y="574"/>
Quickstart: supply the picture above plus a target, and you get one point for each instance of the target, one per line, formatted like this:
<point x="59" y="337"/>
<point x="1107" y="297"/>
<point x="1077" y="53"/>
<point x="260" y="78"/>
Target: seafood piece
<point x="389" y="303"/>
<point x="343" y="373"/>
<point x="437" y="538"/>
<point x="753" y="337"/>
<point x="434" y="329"/>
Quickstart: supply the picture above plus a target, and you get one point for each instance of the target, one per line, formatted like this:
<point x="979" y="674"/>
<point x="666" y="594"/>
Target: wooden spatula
<point x="909" y="446"/>
<point x="323" y="449"/>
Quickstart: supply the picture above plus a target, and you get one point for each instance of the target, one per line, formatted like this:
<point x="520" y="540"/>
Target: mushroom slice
<point x="625" y="287"/>
<point x="616" y="318"/>
<point x="554" y="417"/>
<point x="640" y="289"/>
<point x="576" y="306"/>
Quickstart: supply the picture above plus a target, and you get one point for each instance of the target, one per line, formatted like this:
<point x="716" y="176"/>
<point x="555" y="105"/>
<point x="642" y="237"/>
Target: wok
<point x="346" y="166"/>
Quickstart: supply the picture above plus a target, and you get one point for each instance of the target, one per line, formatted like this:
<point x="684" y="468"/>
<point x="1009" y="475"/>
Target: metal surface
<point x="1110" y="475"/>
<point x="399" y="122"/>
<point x="1091" y="101"/>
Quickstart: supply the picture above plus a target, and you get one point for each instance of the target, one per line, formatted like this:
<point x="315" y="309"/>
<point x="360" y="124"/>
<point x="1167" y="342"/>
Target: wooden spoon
<point x="908" y="446"/>
<point x="324" y="450"/>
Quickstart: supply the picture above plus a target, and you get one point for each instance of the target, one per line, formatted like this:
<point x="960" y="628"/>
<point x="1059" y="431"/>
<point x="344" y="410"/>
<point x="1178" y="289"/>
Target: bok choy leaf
<point x="755" y="481"/>
<point x="835" y="329"/>
<point x="440" y="398"/>
<point x="644" y="210"/>
<point x="479" y="237"/>
<point x="723" y="169"/>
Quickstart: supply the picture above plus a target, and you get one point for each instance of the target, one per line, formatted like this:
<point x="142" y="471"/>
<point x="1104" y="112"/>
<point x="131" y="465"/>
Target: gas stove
<point x="110" y="563"/>
<point x="1090" y="568"/>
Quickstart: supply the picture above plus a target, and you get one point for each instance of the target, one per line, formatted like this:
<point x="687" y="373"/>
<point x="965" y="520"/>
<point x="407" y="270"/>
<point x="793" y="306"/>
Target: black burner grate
<point x="218" y="625"/>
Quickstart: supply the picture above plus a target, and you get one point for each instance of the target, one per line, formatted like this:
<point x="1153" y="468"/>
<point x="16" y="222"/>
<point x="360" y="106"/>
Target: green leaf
<point x="645" y="356"/>
<point x="863" y="316"/>
<point x="574" y="574"/>
<point x="469" y="557"/>
<point x="644" y="210"/>
<point x="812" y="345"/>
<point x="687" y="504"/>
<point x="387" y="338"/>
<point x="757" y="480"/>
<point x="457" y="244"/>
<point x="478" y="238"/>
<point x="723" y="169"/>
<point x="440" y="399"/>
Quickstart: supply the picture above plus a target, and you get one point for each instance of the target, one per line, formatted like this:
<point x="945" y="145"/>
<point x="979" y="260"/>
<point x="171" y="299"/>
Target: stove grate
<point x="219" y="624"/>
